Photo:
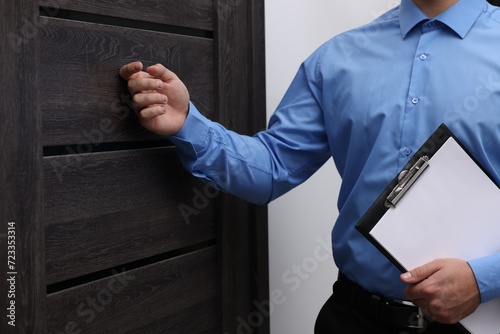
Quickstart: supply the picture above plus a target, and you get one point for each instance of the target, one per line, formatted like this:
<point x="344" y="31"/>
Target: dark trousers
<point x="338" y="318"/>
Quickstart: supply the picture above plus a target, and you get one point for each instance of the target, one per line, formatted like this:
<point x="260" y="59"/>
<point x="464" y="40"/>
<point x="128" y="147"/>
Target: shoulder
<point x="387" y="23"/>
<point x="344" y="44"/>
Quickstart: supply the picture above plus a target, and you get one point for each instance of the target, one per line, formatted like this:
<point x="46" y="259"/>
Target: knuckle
<point x="429" y="290"/>
<point x="438" y="262"/>
<point x="437" y="306"/>
<point x="146" y="114"/>
<point x="136" y="100"/>
<point x="131" y="84"/>
<point x="418" y="272"/>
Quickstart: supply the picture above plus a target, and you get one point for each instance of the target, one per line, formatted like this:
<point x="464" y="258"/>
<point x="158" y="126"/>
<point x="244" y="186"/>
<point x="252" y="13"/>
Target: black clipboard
<point x="396" y="191"/>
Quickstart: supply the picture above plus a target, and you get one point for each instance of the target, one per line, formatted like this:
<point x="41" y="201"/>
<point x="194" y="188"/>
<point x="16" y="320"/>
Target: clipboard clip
<point x="405" y="180"/>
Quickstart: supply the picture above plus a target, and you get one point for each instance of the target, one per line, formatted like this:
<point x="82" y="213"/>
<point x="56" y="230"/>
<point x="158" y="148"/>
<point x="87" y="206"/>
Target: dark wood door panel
<point x="173" y="296"/>
<point x="111" y="208"/>
<point x="197" y="14"/>
<point x="82" y="98"/>
<point x="99" y="225"/>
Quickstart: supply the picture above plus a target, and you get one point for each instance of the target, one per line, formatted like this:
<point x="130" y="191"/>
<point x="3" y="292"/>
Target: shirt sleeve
<point x="487" y="273"/>
<point x="262" y="167"/>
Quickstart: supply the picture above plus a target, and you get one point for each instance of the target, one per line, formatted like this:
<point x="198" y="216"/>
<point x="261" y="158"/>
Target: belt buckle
<point x="419" y="315"/>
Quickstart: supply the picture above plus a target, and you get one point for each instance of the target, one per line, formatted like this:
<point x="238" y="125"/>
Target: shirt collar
<point x="460" y="17"/>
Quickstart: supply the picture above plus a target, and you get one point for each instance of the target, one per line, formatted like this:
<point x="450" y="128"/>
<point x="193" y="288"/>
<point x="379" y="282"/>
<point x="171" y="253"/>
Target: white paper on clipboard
<point x="452" y="211"/>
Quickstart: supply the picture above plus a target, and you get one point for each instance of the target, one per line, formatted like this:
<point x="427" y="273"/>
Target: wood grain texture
<point x="196" y="14"/>
<point x="21" y="187"/>
<point x="239" y="43"/>
<point x="107" y="209"/>
<point x="82" y="98"/>
<point x="174" y="296"/>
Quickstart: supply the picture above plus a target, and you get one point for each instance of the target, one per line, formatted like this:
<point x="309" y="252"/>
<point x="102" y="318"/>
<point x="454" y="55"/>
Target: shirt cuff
<point x="487" y="272"/>
<point x="192" y="137"/>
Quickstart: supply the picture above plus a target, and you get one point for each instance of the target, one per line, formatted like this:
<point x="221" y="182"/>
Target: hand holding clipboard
<point x="442" y="205"/>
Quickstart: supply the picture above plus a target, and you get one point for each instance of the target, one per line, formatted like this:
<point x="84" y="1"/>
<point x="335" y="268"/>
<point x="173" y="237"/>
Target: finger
<point x="143" y="100"/>
<point x="423" y="292"/>
<point x="161" y="72"/>
<point x="420" y="273"/>
<point x="150" y="113"/>
<point x="144" y="84"/>
<point x="428" y="313"/>
<point x="416" y="294"/>
<point x="127" y="71"/>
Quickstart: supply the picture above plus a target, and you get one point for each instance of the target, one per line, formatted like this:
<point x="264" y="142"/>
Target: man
<point x="369" y="97"/>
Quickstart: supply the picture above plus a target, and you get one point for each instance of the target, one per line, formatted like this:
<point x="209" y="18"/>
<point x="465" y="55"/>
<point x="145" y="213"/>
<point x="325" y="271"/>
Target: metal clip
<point x="405" y="180"/>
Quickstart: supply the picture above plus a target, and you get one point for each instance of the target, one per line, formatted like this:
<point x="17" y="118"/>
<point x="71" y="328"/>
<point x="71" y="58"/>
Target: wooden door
<point x="108" y="231"/>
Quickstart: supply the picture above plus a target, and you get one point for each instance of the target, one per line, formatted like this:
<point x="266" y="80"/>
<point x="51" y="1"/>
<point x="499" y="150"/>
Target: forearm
<point x="259" y="168"/>
<point x="262" y="167"/>
<point x="236" y="164"/>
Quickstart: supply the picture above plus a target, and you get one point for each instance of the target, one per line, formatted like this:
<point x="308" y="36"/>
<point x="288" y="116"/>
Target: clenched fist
<point x="159" y="97"/>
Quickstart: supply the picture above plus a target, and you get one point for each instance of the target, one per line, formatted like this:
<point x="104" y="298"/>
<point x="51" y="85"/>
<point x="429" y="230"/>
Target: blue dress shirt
<point x="369" y="98"/>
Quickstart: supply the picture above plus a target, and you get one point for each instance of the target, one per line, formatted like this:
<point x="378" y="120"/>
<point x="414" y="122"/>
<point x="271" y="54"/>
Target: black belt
<point x="376" y="308"/>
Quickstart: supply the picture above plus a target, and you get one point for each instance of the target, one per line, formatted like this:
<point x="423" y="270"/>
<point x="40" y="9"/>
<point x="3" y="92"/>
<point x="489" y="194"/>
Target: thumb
<point x="420" y="273"/>
<point x="161" y="72"/>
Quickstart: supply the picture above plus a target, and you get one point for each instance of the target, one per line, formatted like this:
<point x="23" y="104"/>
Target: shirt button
<point x="407" y="152"/>
<point x="415" y="100"/>
<point x="432" y="24"/>
<point x="423" y="56"/>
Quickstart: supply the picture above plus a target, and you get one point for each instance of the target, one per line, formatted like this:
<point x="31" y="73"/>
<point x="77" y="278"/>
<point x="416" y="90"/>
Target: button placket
<point x="416" y="92"/>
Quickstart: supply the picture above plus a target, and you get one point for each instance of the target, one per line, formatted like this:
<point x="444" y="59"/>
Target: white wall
<point x="301" y="270"/>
